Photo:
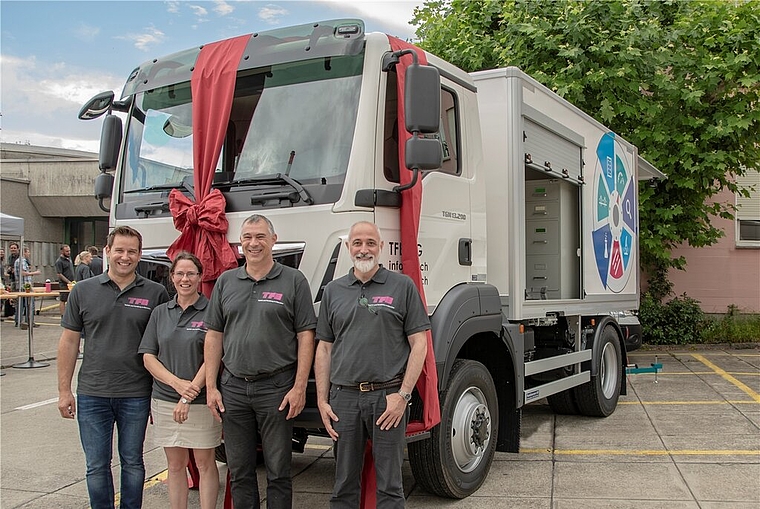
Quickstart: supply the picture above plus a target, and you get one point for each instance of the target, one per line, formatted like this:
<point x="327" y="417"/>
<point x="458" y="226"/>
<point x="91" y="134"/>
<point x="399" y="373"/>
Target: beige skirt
<point x="199" y="431"/>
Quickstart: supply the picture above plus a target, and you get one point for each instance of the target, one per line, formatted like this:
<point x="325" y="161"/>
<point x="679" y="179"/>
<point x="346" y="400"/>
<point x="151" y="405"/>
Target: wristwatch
<point x="184" y="401"/>
<point x="406" y="395"/>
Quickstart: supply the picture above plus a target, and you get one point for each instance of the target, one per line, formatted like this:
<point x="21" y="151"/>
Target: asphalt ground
<point x="689" y="440"/>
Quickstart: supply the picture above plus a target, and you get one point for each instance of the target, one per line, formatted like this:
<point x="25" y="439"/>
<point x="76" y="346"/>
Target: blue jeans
<point x="250" y="408"/>
<point x="96" y="417"/>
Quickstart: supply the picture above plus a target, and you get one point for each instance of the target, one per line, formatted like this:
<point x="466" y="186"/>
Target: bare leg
<point x="209" y="485"/>
<point x="176" y="457"/>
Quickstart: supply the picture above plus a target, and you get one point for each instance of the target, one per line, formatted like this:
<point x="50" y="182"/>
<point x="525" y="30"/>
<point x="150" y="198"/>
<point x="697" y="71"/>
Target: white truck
<point x="528" y="233"/>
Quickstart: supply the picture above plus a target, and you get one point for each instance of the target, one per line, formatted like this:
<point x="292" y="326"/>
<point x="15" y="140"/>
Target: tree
<point x="679" y="79"/>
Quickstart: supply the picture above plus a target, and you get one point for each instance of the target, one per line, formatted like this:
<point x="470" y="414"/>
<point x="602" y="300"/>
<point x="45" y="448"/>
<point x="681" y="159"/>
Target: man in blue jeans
<point x="113" y="385"/>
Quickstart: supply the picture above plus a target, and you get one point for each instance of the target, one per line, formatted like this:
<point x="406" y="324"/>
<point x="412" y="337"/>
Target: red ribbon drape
<point x="411" y="203"/>
<point x="203" y="224"/>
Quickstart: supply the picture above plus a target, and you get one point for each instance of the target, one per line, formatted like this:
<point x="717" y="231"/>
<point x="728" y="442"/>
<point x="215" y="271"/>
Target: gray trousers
<point x="250" y="408"/>
<point x="357" y="413"/>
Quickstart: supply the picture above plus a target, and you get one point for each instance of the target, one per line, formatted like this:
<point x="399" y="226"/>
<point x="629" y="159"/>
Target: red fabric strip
<point x="203" y="225"/>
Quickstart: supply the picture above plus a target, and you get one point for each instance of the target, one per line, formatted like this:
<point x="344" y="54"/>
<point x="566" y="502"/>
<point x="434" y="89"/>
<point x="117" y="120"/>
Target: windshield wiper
<point x="186" y="184"/>
<point x="265" y="195"/>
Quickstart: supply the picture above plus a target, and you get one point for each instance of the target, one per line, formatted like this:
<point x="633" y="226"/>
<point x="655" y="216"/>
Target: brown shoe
<point x="24" y="326"/>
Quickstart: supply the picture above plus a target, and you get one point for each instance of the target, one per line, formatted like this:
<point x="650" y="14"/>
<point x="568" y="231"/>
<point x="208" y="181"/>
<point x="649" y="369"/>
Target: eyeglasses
<point x="363" y="302"/>
<point x="190" y="275"/>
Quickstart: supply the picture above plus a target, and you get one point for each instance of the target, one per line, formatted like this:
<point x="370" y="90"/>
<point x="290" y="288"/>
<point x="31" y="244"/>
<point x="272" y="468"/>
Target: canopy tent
<point x="11" y="225"/>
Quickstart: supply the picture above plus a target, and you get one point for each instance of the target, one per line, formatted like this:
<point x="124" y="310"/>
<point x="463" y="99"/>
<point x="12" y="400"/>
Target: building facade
<point x="52" y="189"/>
<point x="727" y="274"/>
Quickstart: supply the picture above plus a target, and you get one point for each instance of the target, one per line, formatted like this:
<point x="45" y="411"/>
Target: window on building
<point x="748" y="210"/>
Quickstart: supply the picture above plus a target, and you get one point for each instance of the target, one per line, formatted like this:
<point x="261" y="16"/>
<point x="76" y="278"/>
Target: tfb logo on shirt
<point x="196" y="325"/>
<point x="272" y="296"/>
<point x="382" y="300"/>
<point x="138" y="301"/>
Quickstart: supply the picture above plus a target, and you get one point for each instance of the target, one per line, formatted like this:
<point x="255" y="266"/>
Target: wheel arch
<point x="467" y="324"/>
<point x="603" y="321"/>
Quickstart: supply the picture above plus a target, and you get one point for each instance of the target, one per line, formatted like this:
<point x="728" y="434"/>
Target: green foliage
<point x="732" y="328"/>
<point x="679" y="79"/>
<point x="677" y="322"/>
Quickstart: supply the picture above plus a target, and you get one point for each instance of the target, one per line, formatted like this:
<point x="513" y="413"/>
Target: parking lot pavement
<point x="691" y="440"/>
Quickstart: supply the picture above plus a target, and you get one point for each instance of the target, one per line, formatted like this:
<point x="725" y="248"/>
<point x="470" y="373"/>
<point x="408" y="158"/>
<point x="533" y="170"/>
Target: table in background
<point x="31" y="363"/>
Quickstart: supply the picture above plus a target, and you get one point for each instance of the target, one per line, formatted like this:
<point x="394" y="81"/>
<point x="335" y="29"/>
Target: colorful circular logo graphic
<point x="615" y="221"/>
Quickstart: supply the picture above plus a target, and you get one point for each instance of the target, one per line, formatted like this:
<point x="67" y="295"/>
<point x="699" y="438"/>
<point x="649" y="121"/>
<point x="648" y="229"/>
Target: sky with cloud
<point x="55" y="55"/>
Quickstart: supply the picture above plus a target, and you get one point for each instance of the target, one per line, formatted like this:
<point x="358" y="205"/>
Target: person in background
<point x="65" y="271"/>
<point x="260" y="323"/>
<point x="9" y="308"/>
<point x="113" y="387"/>
<point x="25" y="273"/>
<point x="372" y="345"/>
<point x="96" y="265"/>
<point x="6" y="284"/>
<point x="83" y="267"/>
<point x="172" y="349"/>
<point x="11" y="272"/>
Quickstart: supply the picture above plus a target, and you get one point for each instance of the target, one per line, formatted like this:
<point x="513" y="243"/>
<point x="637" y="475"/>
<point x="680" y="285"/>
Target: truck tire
<point x="599" y="396"/>
<point x="563" y="403"/>
<point x="456" y="459"/>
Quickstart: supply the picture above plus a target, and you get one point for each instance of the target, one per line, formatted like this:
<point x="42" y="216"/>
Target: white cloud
<point x="86" y="33"/>
<point x="222" y="8"/>
<point x="199" y="11"/>
<point x="271" y="14"/>
<point x="41" y="101"/>
<point x="172" y="6"/>
<point x="144" y="41"/>
<point x="392" y="16"/>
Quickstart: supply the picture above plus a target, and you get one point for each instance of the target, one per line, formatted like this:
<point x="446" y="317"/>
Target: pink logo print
<point x="272" y="295"/>
<point x="196" y="324"/>
<point x="137" y="301"/>
<point x="382" y="300"/>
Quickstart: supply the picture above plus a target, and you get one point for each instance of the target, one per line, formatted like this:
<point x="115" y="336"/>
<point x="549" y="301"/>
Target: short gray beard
<point x="365" y="265"/>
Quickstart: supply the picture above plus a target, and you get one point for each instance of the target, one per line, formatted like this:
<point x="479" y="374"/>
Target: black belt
<point x="262" y="376"/>
<point x="373" y="386"/>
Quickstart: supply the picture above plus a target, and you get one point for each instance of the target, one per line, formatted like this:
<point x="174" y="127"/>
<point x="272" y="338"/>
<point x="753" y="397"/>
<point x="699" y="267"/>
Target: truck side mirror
<point x="110" y="143"/>
<point x="422" y="99"/>
<point x="96" y="106"/>
<point x="423" y="153"/>
<point x="103" y="186"/>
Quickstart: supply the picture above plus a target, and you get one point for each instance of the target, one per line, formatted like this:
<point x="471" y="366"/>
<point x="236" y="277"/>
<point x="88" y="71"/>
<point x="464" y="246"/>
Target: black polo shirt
<point x="115" y="320"/>
<point x="64" y="266"/>
<point x="370" y="342"/>
<point x="260" y="319"/>
<point x="175" y="336"/>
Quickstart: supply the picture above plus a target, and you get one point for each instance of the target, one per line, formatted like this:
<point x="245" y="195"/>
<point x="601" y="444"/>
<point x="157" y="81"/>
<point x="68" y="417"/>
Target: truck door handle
<point x="540" y="241"/>
<point x="465" y="251"/>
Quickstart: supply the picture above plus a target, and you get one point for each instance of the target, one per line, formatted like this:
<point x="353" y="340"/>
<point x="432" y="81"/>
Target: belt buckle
<point x="365" y="386"/>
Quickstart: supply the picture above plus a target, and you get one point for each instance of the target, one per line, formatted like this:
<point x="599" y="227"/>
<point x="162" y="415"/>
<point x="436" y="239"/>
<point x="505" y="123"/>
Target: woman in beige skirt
<point x="172" y="348"/>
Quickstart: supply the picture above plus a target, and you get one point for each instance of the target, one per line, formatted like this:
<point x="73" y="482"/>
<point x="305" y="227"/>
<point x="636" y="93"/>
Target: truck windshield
<point x="295" y="119"/>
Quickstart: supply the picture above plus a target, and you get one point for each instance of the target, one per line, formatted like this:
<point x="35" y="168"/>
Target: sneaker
<point x="24" y="326"/>
<point x="36" y="325"/>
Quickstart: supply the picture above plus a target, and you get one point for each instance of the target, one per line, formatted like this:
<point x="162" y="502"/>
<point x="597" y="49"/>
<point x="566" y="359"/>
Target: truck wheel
<point x="456" y="459"/>
<point x="599" y="397"/>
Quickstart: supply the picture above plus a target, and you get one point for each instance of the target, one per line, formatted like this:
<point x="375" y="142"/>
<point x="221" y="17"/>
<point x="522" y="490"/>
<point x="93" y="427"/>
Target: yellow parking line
<point x="644" y="452"/>
<point x="752" y="394"/>
<point x="715" y="402"/>
<point x="737" y="373"/>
